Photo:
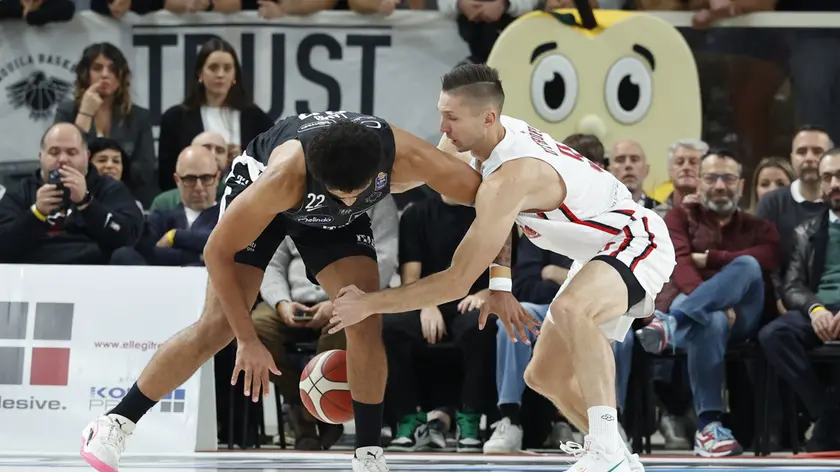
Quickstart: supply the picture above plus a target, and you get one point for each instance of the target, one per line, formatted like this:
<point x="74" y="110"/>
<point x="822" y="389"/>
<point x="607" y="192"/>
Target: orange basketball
<point x="324" y="389"/>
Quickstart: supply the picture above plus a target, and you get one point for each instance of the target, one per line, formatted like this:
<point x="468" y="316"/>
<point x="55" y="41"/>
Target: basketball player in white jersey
<point x="563" y="203"/>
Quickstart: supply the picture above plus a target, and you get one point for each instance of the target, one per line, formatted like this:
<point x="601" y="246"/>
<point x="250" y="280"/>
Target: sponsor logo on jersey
<point x="381" y="181"/>
<point x="314" y="219"/>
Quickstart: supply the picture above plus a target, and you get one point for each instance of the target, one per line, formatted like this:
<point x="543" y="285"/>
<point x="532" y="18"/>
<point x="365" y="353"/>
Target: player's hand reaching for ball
<point x="256" y="362"/>
<point x="511" y="313"/>
<point x="348" y="308"/>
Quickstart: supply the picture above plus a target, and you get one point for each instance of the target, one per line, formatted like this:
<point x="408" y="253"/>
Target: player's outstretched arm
<point x="496" y="209"/>
<point x="277" y="189"/>
<point x="417" y="161"/>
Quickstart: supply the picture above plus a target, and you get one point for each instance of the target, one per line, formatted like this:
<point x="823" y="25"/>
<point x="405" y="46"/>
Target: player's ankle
<point x="603" y="426"/>
<point x="134" y="405"/>
<point x="368" y="419"/>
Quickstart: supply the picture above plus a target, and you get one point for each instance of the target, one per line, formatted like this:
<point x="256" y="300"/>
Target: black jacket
<point x="528" y="284"/>
<point x="88" y="236"/>
<point x="807" y="262"/>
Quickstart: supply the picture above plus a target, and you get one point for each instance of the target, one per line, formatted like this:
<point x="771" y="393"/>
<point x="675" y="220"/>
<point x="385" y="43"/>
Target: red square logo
<point x="50" y="366"/>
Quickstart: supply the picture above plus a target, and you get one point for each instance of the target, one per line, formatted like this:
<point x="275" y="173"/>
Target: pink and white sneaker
<point x="103" y="442"/>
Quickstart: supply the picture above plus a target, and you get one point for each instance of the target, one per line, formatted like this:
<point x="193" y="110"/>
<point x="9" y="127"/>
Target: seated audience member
<point x="588" y="145"/>
<point x="102" y="107"/>
<point x="628" y="163"/>
<point x="108" y="157"/>
<point x="683" y="168"/>
<point x="537" y="276"/>
<point x="286" y="293"/>
<point x="216" y="100"/>
<point x="213" y="142"/>
<point x="177" y="237"/>
<point x="790" y="206"/>
<point x="812" y="292"/>
<point x="430" y="231"/>
<point x="771" y="173"/>
<point x="82" y="222"/>
<point x="716" y="293"/>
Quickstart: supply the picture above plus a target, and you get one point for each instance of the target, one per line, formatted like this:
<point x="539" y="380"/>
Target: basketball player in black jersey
<point x="311" y="177"/>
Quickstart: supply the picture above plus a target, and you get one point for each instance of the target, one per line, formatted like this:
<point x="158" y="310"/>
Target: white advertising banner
<point x="390" y="67"/>
<point x="73" y="339"/>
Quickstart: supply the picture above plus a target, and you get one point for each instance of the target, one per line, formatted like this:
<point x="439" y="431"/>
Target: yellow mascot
<point x="614" y="74"/>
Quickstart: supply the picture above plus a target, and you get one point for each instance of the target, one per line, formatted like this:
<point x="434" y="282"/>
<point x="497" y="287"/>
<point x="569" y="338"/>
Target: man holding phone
<point x="295" y="310"/>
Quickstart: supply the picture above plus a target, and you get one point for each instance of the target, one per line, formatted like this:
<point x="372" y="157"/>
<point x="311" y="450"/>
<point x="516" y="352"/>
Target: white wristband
<point x="501" y="284"/>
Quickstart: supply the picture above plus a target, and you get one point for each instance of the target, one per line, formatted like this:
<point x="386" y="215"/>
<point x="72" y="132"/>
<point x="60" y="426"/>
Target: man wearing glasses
<point x="177" y="237"/>
<point x="717" y="292"/>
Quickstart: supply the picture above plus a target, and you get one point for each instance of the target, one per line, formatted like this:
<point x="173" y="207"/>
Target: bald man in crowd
<point x="213" y="142"/>
<point x="177" y="237"/>
<point x="66" y="213"/>
<point x="628" y="164"/>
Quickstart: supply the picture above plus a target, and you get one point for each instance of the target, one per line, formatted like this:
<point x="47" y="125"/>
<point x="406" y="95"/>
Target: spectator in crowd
<point x="102" y="107"/>
<point x="216" y="101"/>
<point x="717" y="292"/>
<point x="537" y="276"/>
<point x="628" y="164"/>
<point x="791" y="206"/>
<point x="108" y="157"/>
<point x="37" y="12"/>
<point x="812" y="291"/>
<point x="66" y="213"/>
<point x="771" y="173"/>
<point x="177" y="237"/>
<point x="481" y="21"/>
<point x="430" y="231"/>
<point x="588" y="145"/>
<point x="213" y="142"/>
<point x="683" y="168"/>
<point x="287" y="292"/>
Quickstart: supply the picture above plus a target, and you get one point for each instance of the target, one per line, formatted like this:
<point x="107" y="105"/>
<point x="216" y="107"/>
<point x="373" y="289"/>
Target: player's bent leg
<point x="367" y="369"/>
<point x="103" y="440"/>
<point x="551" y="374"/>
<point x="598" y="294"/>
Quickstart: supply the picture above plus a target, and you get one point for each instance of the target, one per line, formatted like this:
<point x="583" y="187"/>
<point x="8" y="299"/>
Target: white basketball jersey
<point x="597" y="206"/>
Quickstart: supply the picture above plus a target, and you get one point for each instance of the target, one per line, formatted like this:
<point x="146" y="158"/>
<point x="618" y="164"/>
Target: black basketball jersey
<point x="320" y="208"/>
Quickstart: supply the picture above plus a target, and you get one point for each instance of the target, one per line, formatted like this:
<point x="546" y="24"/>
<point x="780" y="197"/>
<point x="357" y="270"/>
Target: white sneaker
<point x="593" y="457"/>
<point x="506" y="439"/>
<point x="634" y="462"/>
<point x="103" y="442"/>
<point x="369" y="459"/>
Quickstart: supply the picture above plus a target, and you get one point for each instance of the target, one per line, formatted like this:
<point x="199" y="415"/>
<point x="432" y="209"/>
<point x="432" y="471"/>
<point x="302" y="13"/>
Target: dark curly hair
<point x="345" y="156"/>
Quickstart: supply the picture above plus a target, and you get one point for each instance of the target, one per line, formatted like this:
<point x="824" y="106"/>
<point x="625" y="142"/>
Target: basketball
<point x="324" y="389"/>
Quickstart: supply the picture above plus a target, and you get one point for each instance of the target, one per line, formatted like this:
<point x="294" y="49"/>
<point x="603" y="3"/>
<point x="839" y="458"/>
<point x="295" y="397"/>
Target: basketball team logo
<point x="34" y="347"/>
<point x="38" y="83"/>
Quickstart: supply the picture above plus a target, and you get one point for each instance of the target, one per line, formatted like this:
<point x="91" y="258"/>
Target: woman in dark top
<point x="216" y="101"/>
<point x="102" y="106"/>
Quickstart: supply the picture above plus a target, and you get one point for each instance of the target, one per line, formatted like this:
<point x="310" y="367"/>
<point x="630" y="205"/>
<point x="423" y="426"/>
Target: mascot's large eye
<point x="554" y="88"/>
<point x="628" y="91"/>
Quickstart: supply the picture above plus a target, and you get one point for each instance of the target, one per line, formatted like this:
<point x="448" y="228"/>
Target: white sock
<point x="603" y="426"/>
